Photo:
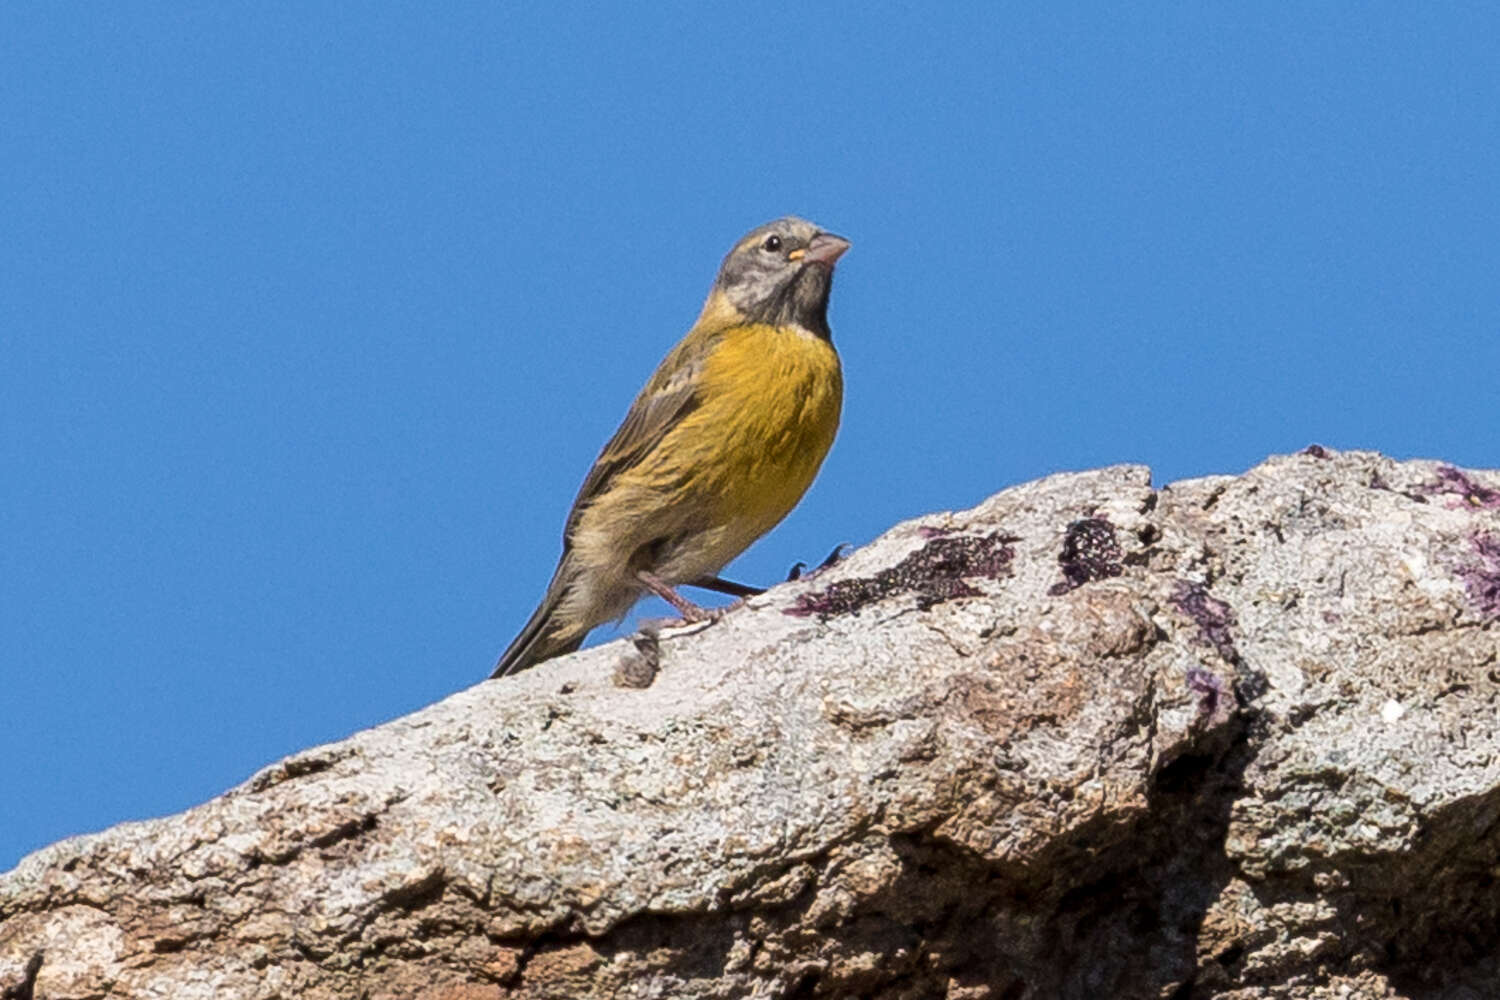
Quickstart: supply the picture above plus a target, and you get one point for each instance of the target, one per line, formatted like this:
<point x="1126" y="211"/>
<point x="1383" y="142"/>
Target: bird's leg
<point x="689" y="611"/>
<point x="722" y="586"/>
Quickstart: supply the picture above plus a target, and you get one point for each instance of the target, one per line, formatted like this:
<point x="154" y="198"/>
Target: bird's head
<point x="779" y="274"/>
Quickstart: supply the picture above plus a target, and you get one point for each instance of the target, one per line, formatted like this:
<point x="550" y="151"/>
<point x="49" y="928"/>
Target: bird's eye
<point x="772" y="243"/>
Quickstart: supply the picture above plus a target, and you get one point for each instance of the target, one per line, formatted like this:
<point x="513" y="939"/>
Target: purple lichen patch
<point x="1216" y="622"/>
<point x="1090" y="551"/>
<point x="1455" y="482"/>
<point x="1483" y="581"/>
<point x="1214" y="617"/>
<point x="1210" y="691"/>
<point x="939" y="571"/>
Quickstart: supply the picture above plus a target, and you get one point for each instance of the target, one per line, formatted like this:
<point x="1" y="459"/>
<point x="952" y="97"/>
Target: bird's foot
<point x="800" y="571"/>
<point x="691" y="614"/>
<point x="714" y="614"/>
<point x="705" y="616"/>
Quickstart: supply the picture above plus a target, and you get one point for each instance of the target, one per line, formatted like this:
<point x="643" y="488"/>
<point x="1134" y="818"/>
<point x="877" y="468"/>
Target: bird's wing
<point x="669" y="396"/>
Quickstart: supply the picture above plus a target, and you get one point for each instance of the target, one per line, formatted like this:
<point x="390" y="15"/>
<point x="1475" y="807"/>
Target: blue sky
<point x="312" y="317"/>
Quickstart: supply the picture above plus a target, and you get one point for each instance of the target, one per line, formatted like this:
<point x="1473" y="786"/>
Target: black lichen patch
<point x="1215" y="618"/>
<point x="1090" y="552"/>
<point x="1455" y="482"/>
<point x="1483" y="581"/>
<point x="939" y="571"/>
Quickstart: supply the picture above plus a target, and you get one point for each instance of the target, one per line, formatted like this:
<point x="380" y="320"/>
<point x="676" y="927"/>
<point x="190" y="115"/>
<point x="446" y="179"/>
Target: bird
<point x="720" y="444"/>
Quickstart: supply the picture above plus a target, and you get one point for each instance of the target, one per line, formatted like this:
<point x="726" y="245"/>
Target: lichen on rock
<point x="1229" y="738"/>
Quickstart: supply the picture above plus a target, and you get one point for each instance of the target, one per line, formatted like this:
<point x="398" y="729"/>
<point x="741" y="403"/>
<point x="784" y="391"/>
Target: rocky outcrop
<point x="1231" y="738"/>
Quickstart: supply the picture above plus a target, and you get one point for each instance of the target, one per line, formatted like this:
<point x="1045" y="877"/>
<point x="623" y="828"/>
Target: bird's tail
<point x="542" y="637"/>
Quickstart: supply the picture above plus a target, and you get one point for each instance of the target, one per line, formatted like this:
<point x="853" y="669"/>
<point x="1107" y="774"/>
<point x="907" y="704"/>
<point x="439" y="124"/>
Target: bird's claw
<point x="799" y="570"/>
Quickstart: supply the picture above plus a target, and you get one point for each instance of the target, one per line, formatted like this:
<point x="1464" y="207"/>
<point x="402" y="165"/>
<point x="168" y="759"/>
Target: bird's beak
<point x="825" y="248"/>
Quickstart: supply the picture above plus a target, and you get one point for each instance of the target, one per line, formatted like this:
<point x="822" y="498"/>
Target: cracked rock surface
<point x="1231" y="738"/>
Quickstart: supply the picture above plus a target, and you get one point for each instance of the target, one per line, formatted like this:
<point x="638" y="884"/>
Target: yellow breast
<point x="770" y="400"/>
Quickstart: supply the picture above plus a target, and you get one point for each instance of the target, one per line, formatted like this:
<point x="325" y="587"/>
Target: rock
<point x="1231" y="738"/>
